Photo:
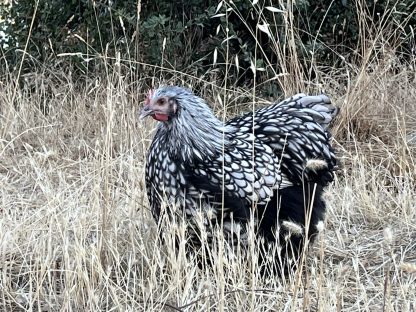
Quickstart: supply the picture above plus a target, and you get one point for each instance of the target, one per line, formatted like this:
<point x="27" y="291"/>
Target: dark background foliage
<point x="184" y="35"/>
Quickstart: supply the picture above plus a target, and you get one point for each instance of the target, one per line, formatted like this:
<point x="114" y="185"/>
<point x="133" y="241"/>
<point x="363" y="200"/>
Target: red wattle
<point x="161" y="117"/>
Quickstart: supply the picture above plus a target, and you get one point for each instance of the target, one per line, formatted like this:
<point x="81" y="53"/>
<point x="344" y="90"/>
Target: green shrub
<point x="191" y="35"/>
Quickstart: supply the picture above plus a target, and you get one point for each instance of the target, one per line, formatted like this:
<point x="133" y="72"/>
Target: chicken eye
<point x="161" y="101"/>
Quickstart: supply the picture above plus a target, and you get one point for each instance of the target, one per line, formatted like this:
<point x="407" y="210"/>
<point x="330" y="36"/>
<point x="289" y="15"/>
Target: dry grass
<point x="76" y="233"/>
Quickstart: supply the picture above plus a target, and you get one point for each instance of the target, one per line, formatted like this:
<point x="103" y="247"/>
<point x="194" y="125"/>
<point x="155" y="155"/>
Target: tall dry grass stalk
<point x="76" y="233"/>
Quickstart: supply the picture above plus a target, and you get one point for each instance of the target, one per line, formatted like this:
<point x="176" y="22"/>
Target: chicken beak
<point x="146" y="111"/>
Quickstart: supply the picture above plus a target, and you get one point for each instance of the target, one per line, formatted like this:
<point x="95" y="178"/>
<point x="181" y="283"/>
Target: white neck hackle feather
<point x="194" y="131"/>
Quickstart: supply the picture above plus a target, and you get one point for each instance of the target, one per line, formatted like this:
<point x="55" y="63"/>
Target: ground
<point x="76" y="233"/>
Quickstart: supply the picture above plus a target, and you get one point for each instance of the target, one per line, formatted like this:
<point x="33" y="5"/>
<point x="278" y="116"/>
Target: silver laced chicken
<point x="269" y="167"/>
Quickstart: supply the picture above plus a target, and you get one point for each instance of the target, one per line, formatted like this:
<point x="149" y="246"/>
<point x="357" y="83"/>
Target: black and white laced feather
<point x="210" y="171"/>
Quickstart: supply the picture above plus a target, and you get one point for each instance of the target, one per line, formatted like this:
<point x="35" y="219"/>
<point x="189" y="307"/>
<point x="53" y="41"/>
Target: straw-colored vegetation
<point x="76" y="233"/>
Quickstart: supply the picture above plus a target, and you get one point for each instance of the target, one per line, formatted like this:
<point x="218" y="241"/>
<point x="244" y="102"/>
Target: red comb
<point x="149" y="96"/>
